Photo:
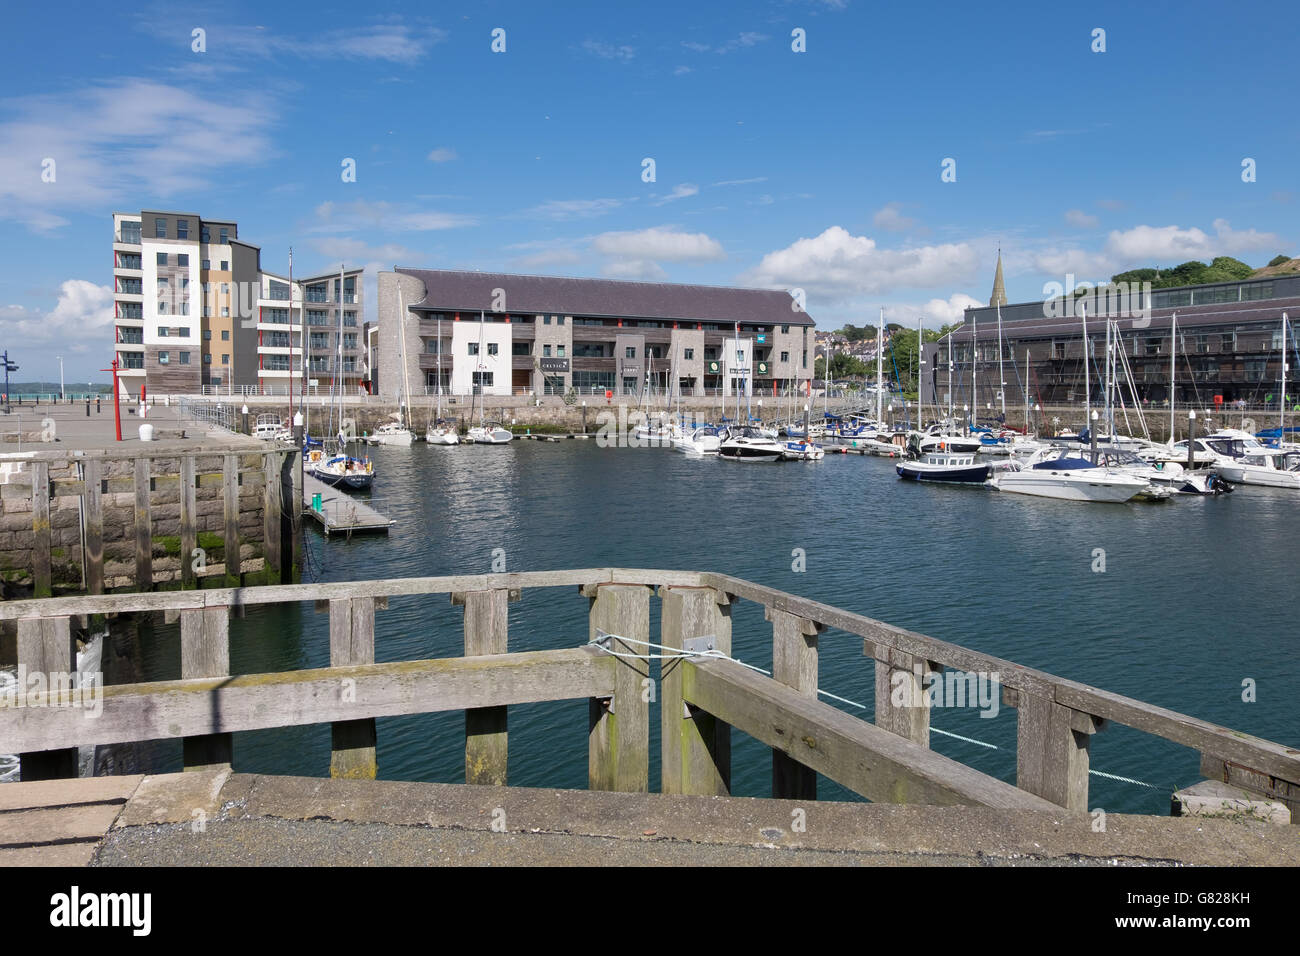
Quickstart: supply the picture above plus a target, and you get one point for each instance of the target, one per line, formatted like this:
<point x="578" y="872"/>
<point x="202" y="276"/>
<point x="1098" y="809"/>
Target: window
<point x="182" y="259"/>
<point x="690" y="354"/>
<point x="631" y="351"/>
<point x="162" y="308"/>
<point x="207" y="333"/>
<point x="162" y="258"/>
<point x="559" y="350"/>
<point x="204" y="235"/>
<point x="785" y="356"/>
<point x="546" y="320"/>
<point x="184" y="357"/>
<point x="207" y="359"/>
<point x="160" y="228"/>
<point x="740" y="356"/>
<point x="225" y="359"/>
<point x="473" y="348"/>
<point x="163" y="358"/>
<point x="492" y="348"/>
<point x="483" y="379"/>
<point x="225" y="237"/>
<point x="225" y="335"/>
<point x="225" y="288"/>
<point x="546" y="351"/>
<point x="350" y="318"/>
<point x="225" y="265"/>
<point x="559" y="320"/>
<point x="131" y="233"/>
<point x="785" y="330"/>
<point x="225" y="311"/>
<point x="805" y="358"/>
<point x="162" y="332"/>
<point x="183" y="332"/>
<point x="521" y="348"/>
<point x="182" y="228"/>
<point x="320" y="340"/>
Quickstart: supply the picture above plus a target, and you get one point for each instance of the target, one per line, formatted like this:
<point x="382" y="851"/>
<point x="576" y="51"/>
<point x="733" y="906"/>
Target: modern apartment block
<point x="194" y="312"/>
<point x="506" y="334"/>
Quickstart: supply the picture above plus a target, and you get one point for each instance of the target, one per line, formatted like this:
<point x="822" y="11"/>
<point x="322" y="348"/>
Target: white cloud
<point x="890" y="217"/>
<point x="81" y="322"/>
<point x="659" y="243"/>
<point x="680" y="191"/>
<point x="1152" y="245"/>
<point x="934" y="313"/>
<point x="746" y="39"/>
<point x="609" y="51"/>
<point x="838" y="266"/>
<point x="742" y="182"/>
<point x="565" y="209"/>
<point x="349" y="216"/>
<point x="1077" y="217"/>
<point x="115" y="142"/>
<point x="642" y="269"/>
<point x="442" y="154"/>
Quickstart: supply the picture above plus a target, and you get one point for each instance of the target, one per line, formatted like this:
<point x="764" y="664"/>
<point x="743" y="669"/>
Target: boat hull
<point x="1066" y="488"/>
<point x="968" y="474"/>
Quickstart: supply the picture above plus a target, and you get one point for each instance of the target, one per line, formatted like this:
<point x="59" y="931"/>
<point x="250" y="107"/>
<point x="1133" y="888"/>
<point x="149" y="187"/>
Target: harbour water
<point x="1196" y="597"/>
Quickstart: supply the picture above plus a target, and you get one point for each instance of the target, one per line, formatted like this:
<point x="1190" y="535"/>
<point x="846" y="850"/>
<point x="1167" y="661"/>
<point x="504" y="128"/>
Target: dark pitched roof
<point x="472" y="291"/>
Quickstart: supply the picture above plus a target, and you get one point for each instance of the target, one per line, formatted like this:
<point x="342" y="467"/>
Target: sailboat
<point x="439" y="432"/>
<point x="1274" y="467"/>
<point x="485" y="433"/>
<point x="341" y="469"/>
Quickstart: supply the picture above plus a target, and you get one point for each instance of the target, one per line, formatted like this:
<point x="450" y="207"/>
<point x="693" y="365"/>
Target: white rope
<point x="679" y="654"/>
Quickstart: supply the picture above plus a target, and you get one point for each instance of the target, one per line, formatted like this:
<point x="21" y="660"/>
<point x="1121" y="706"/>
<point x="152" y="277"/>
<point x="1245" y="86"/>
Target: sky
<point x="821" y="168"/>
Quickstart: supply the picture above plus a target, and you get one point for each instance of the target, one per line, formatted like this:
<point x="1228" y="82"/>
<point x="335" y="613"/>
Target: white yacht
<point x="441" y="433"/>
<point x="490" y="433"/>
<point x="1271" y="467"/>
<point x="700" y="441"/>
<point x="746" y="443"/>
<point x="1070" y="479"/>
<point x="390" y="433"/>
<point x="803" y="450"/>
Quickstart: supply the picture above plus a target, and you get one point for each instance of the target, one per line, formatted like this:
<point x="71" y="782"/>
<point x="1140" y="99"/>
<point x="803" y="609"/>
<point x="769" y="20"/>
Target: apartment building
<point x="194" y="312"/>
<point x="502" y="334"/>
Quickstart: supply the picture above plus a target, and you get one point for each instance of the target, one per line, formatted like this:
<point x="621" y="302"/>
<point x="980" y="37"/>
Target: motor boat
<point x="441" y="433"/>
<point x="390" y="433"/>
<point x="268" y="427"/>
<point x="803" y="450"/>
<point x="1058" y="474"/>
<point x="700" y="441"/>
<point x="948" y="466"/>
<point x="491" y="433"/>
<point x="746" y="443"/>
<point x="943" y="436"/>
<point x="1271" y="467"/>
<point x="344" y="471"/>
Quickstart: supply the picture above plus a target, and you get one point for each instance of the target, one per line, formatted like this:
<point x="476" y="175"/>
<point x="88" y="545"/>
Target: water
<point x="1194" y="598"/>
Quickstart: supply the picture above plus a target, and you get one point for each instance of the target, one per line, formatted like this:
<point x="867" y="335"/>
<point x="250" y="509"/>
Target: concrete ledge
<point x="1214" y="798"/>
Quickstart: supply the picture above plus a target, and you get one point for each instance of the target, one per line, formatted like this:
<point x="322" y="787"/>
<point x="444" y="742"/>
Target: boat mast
<point x="482" y="327"/>
<point x="438" y="385"/>
<point x="1110" y="420"/>
<point x="1026" y="393"/>
<point x="919" y="362"/>
<point x="974" y="367"/>
<point x="1173" y="352"/>
<point x="880" y="358"/>
<point x="1002" y="379"/>
<point x="949" y="337"/>
<point x="1087" y="370"/>
<point x="1281" y="435"/>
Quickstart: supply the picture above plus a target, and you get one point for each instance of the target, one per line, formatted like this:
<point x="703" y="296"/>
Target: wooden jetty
<point x="702" y="695"/>
<point x="340" y="513"/>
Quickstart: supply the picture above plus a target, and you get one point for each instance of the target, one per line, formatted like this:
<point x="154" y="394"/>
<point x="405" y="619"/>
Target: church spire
<point x="999" y="296"/>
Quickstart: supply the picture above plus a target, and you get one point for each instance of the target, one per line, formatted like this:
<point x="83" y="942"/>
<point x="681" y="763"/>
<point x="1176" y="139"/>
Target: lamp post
<point x="584" y="416"/>
<point x="60" y="378"/>
<point x="1191" y="438"/>
<point x="10" y="366"/>
<point x="1092" y="435"/>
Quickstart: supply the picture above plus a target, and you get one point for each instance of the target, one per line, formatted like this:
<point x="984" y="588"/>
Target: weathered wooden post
<point x="618" y="753"/>
<point x="46" y="647"/>
<point x="93" y="500"/>
<point x="272" y="506"/>
<point x="230" y="514"/>
<point x="1052" y="743"/>
<point x="695" y="745"/>
<point x="486" y="632"/>
<point x="42" y="575"/>
<point x="205" y="652"/>
<point x="794" y="663"/>
<point x="352" y="641"/>
<point x="901" y="680"/>
<point x="188" y="509"/>
<point x="143" y="530"/>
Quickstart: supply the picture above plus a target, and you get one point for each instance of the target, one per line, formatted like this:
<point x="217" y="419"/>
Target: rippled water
<point x="1194" y="598"/>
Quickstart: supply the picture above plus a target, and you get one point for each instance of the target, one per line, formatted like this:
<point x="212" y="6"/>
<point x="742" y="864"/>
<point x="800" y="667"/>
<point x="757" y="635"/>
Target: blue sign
<point x="762" y="339"/>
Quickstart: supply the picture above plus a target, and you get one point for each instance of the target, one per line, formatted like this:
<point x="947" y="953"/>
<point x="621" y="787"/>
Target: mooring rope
<point x="678" y="654"/>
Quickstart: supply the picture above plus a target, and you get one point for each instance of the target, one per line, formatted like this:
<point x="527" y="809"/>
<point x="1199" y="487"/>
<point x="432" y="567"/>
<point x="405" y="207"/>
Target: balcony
<point x="130" y="286"/>
<point x="130" y="336"/>
<point x="129" y="234"/>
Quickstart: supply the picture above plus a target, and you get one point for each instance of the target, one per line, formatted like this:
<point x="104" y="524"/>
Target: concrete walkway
<point x="256" y="820"/>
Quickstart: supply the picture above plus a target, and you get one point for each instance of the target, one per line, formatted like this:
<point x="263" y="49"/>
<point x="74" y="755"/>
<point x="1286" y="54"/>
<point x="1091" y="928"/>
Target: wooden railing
<point x="700" y="698"/>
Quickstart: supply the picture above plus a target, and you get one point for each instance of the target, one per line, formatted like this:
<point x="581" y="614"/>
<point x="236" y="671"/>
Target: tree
<point x="1278" y="260"/>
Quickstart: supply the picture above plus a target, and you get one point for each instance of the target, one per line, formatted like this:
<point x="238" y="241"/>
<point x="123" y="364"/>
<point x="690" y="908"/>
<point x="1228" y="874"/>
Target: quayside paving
<point x="216" y="817"/>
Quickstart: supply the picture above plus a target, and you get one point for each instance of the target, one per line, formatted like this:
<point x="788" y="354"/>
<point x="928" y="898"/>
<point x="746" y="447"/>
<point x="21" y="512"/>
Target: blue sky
<point x="818" y="170"/>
